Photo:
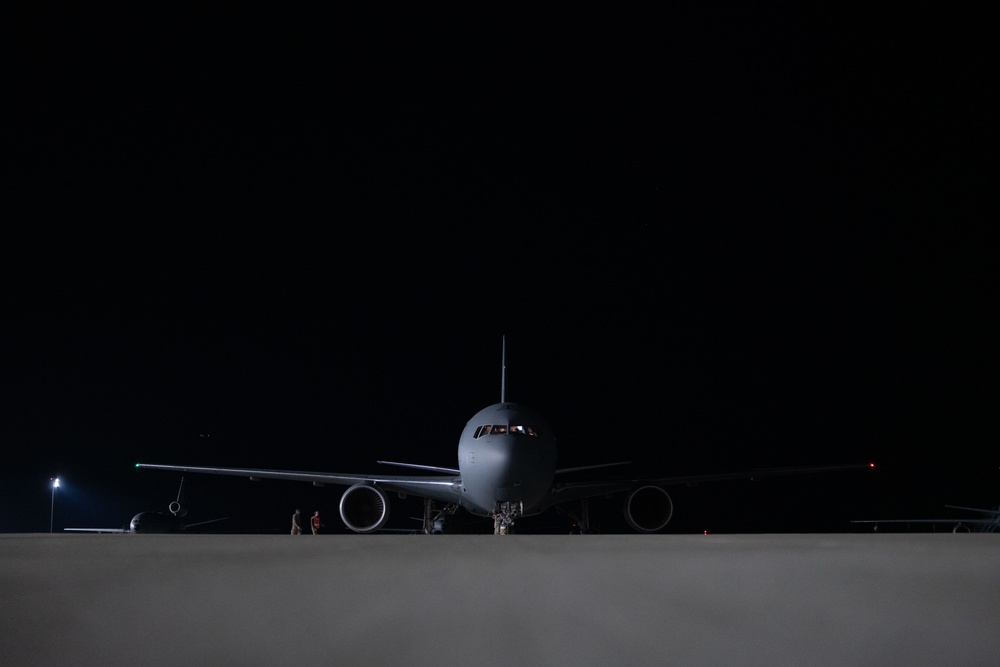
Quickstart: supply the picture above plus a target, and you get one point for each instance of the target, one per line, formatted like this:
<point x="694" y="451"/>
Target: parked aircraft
<point x="988" y="522"/>
<point x="154" y="522"/>
<point x="506" y="470"/>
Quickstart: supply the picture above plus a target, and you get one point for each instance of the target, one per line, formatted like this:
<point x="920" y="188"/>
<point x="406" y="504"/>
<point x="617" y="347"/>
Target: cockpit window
<point x="500" y="429"/>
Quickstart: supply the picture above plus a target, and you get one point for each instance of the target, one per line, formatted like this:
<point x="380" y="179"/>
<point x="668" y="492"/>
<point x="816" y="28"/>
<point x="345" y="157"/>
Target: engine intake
<point x="364" y="508"/>
<point x="648" y="509"/>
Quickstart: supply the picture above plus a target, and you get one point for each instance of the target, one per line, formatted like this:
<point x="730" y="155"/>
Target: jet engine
<point x="648" y="509"/>
<point x="364" y="508"/>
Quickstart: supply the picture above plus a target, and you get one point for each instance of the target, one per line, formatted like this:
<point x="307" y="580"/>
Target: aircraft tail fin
<point x="503" y="370"/>
<point x="176" y="508"/>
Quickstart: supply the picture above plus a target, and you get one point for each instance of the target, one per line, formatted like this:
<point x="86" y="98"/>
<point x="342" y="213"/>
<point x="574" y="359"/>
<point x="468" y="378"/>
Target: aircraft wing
<point x="95" y="530"/>
<point x="992" y="512"/>
<point x="987" y="525"/>
<point x="444" y="488"/>
<point x="202" y="523"/>
<point x="980" y="525"/>
<point x="971" y="522"/>
<point x="570" y="491"/>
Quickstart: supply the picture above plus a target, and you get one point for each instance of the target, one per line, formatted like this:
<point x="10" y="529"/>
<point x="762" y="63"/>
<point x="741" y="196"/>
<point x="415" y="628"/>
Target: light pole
<point x="52" y="509"/>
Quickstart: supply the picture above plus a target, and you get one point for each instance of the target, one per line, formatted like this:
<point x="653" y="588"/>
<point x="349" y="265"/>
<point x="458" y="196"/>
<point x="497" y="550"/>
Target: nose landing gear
<point x="504" y="515"/>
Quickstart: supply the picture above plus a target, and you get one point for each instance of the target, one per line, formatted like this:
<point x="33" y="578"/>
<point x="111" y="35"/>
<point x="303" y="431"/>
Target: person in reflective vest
<point x="316" y="523"/>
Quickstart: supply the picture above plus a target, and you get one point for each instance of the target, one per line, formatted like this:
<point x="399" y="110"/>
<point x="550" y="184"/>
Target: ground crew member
<point x="297" y="523"/>
<point x="315" y="523"/>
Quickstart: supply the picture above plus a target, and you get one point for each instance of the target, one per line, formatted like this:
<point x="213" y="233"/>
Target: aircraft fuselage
<point x="506" y="454"/>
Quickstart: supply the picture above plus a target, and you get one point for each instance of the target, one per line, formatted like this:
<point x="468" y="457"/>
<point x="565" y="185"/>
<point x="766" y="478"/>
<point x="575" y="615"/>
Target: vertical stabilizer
<point x="175" y="507"/>
<point x="503" y="371"/>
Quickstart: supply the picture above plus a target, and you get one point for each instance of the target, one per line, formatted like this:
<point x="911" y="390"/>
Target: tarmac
<point x="823" y="599"/>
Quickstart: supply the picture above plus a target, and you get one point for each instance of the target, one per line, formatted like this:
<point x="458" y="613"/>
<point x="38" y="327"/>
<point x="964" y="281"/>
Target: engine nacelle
<point x="364" y="508"/>
<point x="176" y="509"/>
<point x="648" y="509"/>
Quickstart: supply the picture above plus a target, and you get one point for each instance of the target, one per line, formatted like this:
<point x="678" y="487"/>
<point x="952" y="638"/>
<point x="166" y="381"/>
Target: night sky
<point x="715" y="239"/>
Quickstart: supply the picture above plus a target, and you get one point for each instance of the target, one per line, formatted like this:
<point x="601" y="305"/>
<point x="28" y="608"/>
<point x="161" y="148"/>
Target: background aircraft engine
<point x="176" y="509"/>
<point x="364" y="508"/>
<point x="648" y="509"/>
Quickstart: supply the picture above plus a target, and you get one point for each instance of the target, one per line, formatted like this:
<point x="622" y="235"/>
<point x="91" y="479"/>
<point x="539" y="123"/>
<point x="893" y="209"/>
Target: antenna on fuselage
<point x="503" y="371"/>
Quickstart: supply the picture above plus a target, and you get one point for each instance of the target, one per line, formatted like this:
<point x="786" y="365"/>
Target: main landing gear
<point x="581" y="518"/>
<point x="433" y="518"/>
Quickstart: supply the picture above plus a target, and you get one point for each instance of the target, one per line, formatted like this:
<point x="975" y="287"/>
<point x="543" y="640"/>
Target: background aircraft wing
<point x="971" y="522"/>
<point x="202" y="523"/>
<point x="986" y="525"/>
<point x="95" y="530"/>
<point x="979" y="525"/>
<point x="438" y="487"/>
<point x="570" y="491"/>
